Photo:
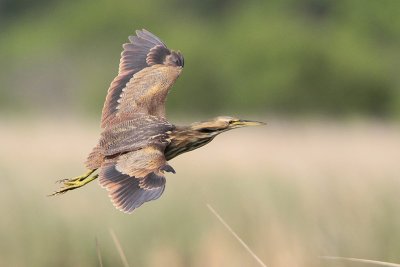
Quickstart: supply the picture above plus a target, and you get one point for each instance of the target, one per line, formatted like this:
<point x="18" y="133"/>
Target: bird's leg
<point x="74" y="183"/>
<point x="78" y="178"/>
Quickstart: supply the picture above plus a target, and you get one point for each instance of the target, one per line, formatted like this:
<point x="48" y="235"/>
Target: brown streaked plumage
<point x="137" y="141"/>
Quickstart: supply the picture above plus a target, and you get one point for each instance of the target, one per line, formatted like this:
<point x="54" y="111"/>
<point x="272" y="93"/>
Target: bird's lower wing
<point x="135" y="177"/>
<point x="126" y="192"/>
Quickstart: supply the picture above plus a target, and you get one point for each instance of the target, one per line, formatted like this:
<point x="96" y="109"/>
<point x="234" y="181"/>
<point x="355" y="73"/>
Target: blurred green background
<point x="321" y="178"/>
<point x="291" y="57"/>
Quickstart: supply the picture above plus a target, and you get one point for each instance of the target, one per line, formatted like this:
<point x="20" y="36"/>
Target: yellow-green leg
<point x="78" y="178"/>
<point x="74" y="183"/>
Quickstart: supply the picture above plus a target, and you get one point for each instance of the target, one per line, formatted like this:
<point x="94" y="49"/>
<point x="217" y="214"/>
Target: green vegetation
<point x="290" y="57"/>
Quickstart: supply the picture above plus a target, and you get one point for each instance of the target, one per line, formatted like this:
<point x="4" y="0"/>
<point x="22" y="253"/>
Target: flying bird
<point x="137" y="141"/>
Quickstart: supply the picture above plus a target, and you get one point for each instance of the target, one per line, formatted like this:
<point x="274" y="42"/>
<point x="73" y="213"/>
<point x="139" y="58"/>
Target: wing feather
<point x="125" y="191"/>
<point x="147" y="90"/>
<point x="135" y="177"/>
<point x="134" y="134"/>
<point x="144" y="50"/>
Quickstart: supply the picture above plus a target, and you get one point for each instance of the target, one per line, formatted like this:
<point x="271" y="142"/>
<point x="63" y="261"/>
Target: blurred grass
<point x="292" y="190"/>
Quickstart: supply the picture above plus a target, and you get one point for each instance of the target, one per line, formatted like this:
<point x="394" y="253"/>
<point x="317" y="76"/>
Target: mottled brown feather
<point x="125" y="192"/>
<point x="141" y="162"/>
<point x="134" y="178"/>
<point x="147" y="90"/>
<point x="144" y="50"/>
<point x="130" y="135"/>
<point x="95" y="158"/>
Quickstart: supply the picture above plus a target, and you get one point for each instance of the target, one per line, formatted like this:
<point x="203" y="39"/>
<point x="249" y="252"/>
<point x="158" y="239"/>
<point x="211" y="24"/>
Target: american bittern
<point x="137" y="141"/>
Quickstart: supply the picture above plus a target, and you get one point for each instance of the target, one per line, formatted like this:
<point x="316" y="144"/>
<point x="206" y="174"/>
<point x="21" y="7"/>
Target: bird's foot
<point x="74" y="183"/>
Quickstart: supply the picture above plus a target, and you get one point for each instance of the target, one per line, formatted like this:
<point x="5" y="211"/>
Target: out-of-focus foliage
<point x="332" y="57"/>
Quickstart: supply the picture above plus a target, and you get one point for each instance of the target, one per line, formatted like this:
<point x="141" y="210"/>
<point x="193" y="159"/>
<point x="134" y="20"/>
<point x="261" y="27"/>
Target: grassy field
<point x="292" y="190"/>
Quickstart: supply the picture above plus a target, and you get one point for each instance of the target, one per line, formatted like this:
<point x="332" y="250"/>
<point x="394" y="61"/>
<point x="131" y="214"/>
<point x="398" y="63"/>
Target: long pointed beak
<point x="243" y="123"/>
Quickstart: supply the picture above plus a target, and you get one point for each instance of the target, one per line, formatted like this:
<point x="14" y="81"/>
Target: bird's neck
<point x="184" y="139"/>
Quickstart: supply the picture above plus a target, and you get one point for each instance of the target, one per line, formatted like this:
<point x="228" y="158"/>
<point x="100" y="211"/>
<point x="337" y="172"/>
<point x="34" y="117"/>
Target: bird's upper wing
<point x="135" y="177"/>
<point x="143" y="79"/>
<point x="133" y="134"/>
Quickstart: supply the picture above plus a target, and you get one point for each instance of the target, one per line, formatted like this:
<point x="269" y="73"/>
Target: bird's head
<point x="221" y="124"/>
<point x="196" y="135"/>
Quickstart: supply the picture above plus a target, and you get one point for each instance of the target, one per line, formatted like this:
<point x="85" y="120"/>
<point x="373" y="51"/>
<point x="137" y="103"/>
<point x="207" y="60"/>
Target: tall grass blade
<point x="213" y="211"/>
<point x="380" y="263"/>
<point x="99" y="253"/>
<point x="119" y="248"/>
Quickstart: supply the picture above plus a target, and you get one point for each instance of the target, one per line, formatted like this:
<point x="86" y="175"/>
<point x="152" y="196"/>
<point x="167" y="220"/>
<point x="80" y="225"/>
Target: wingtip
<point x="123" y="209"/>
